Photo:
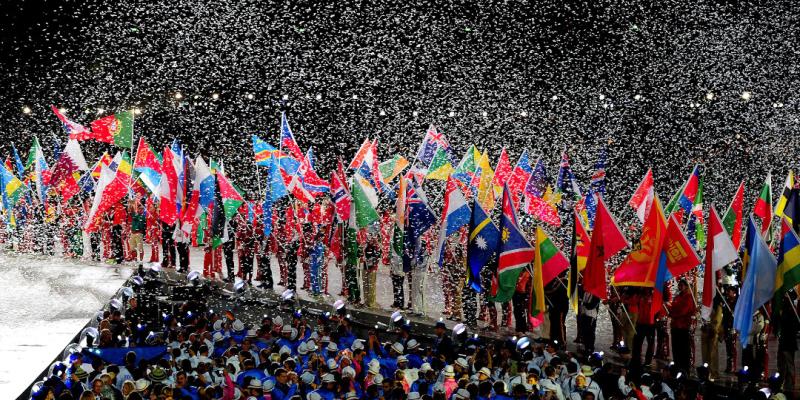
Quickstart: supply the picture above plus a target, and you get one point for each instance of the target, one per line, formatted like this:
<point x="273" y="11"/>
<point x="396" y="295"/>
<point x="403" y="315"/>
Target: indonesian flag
<point x="719" y="253"/>
<point x="643" y="196"/>
<point x="168" y="190"/>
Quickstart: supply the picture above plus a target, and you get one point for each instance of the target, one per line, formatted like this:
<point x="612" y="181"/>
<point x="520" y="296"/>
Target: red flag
<point x="643" y="196"/>
<point x="607" y="240"/>
<point x="168" y="190"/>
<point x="502" y="172"/>
<point x="339" y="193"/>
<point x="732" y="219"/>
<point x="641" y="265"/>
<point x="681" y="256"/>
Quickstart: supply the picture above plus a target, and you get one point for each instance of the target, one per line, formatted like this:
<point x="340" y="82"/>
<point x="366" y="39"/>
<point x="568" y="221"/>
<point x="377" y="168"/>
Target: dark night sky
<point x="364" y="57"/>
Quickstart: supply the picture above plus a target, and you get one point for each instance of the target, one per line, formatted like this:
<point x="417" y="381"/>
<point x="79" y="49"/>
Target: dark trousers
<point x="643" y="332"/>
<point x="470" y="304"/>
<point x="227" y="250"/>
<point x="183" y="255"/>
<point x="397" y="290"/>
<point x="94" y="242"/>
<point x="520" y="301"/>
<point x="116" y="244"/>
<point x="681" y="347"/>
<point x="753" y="356"/>
<point x="587" y="331"/>
<point x="265" y="270"/>
<point x="557" y="324"/>
<point x="291" y="267"/>
<point x="168" y="245"/>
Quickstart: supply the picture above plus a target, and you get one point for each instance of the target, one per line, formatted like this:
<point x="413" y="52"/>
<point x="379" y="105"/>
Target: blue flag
<point x="420" y="219"/>
<point x="758" y="285"/>
<point x="484" y="238"/>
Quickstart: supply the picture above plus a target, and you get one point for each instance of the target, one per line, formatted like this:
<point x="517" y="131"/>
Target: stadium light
<point x="26" y="110"/>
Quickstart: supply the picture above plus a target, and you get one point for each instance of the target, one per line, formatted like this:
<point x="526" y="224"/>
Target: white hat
<point x="348" y="371"/>
<point x="378" y="379"/>
<point x="218" y="325"/>
<point x="254" y="384"/>
<point x="448" y="371"/>
<point x="412" y="344"/>
<point x="293" y="334"/>
<point x="358" y="344"/>
<point x="332" y="347"/>
<point x="285" y="350"/>
<point x="425" y="367"/>
<point x="461" y="362"/>
<point x="398" y="347"/>
<point x="252" y="333"/>
<point x="413" y="396"/>
<point x="374" y="369"/>
<point x="325" y="339"/>
<point x="331" y="363"/>
<point x="278" y="320"/>
<point x="307" y="378"/>
<point x="141" y="384"/>
<point x="311" y="346"/>
<point x="328" y="378"/>
<point x="302" y="349"/>
<point x="218" y="336"/>
<point x="286" y="329"/>
<point x="485" y="371"/>
<point x="351" y="395"/>
<point x="268" y="385"/>
<point x="314" y="396"/>
<point x="462" y="394"/>
<point x="238" y="325"/>
<point x="402" y="358"/>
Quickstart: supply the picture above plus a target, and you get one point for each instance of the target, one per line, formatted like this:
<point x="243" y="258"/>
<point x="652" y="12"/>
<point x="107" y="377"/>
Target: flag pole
<point x="625" y="309"/>
<point x="791" y="303"/>
<point x="136" y="155"/>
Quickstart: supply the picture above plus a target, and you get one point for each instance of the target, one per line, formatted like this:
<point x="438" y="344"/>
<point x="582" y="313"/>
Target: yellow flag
<point x="485" y="188"/>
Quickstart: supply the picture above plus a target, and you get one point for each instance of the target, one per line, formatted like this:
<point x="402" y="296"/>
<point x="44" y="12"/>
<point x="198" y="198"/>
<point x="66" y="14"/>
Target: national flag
<point x="732" y="219"/>
<point x="485" y="174"/>
<point x="364" y="201"/>
<point x="288" y="143"/>
<point x="465" y="171"/>
<point x="597" y="185"/>
<point x="339" y="194"/>
<point x="75" y="130"/>
<point x="642" y="198"/>
<point x="788" y="273"/>
<point x="440" y="167"/>
<point x="720" y="252"/>
<point x="168" y="190"/>
<point x="294" y="185"/>
<point x="311" y="181"/>
<point x="112" y="191"/>
<point x="536" y="192"/>
<point x="548" y="263"/>
<point x="40" y="169"/>
<point x="12" y="188"/>
<point x="566" y="184"/>
<point x="358" y="159"/>
<point x="758" y="285"/>
<point x="399" y="222"/>
<point x="393" y="167"/>
<point x="502" y="173"/>
<point x="698" y="218"/>
<point x="231" y="198"/>
<point x="94" y="216"/>
<point x="639" y="268"/>
<point x="18" y="161"/>
<point x="455" y="214"/>
<point x="484" y="239"/>
<point x="516" y="253"/>
<point x="71" y="160"/>
<point x="607" y="241"/>
<point x="105" y="159"/>
<point x="580" y="248"/>
<point x="683" y="200"/>
<point x="787" y="191"/>
<point x="763" y="206"/>
<point x="204" y="183"/>
<point x="419" y="219"/>
<point x="519" y="177"/>
<point x="263" y="151"/>
<point x="430" y="143"/>
<point x="148" y="164"/>
<point x="116" y="129"/>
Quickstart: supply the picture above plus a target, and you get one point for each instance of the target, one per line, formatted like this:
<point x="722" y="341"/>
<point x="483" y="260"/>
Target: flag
<point x="681" y="257"/>
<point x="440" y="167"/>
<point x="288" y="143"/>
<point x="597" y="185"/>
<point x="698" y="218"/>
<point x="231" y="198"/>
<point x="515" y="252"/>
<point x="358" y="159"/>
<point x="537" y="194"/>
<point x="310" y="180"/>
<point x="113" y="189"/>
<point x="204" y="183"/>
<point x="399" y="222"/>
<point x="566" y="184"/>
<point x="640" y="266"/>
<point x="788" y="274"/>
<point x="364" y="201"/>
<point x="12" y="188"/>
<point x="105" y="178"/>
<point x="519" y="177"/>
<point x="168" y="190"/>
<point x="419" y="219"/>
<point x="455" y="214"/>
<point x="40" y="169"/>
<point x="393" y="167"/>
<point x="577" y="262"/>
<point x="71" y="160"/>
<point x="763" y="207"/>
<point x="276" y="187"/>
<point x="294" y="185"/>
<point x="75" y="130"/>
<point x="642" y="198"/>
<point x="339" y="194"/>
<point x="430" y="143"/>
<point x="263" y="152"/>
<point x="502" y="173"/>
<point x="758" y="285"/>
<point x="484" y="238"/>
<point x="116" y="129"/>
<point x="720" y="252"/>
<point x="732" y="219"/>
<point x="105" y="159"/>
<point x="548" y="263"/>
<point x="18" y="161"/>
<point x="465" y="171"/>
<point x="607" y="240"/>
<point x="148" y="165"/>
<point x="683" y="200"/>
<point x="486" y="175"/>
<point x="788" y="185"/>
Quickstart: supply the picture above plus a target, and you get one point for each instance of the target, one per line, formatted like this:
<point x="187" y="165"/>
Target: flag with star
<point x="515" y="252"/>
<point x="482" y="246"/>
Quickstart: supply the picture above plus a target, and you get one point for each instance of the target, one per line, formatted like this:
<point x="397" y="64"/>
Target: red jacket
<point x="682" y="310"/>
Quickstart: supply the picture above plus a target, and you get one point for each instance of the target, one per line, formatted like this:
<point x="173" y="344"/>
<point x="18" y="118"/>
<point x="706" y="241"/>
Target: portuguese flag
<point x="763" y="207"/>
<point x="547" y="265"/>
<point x="116" y="129"/>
